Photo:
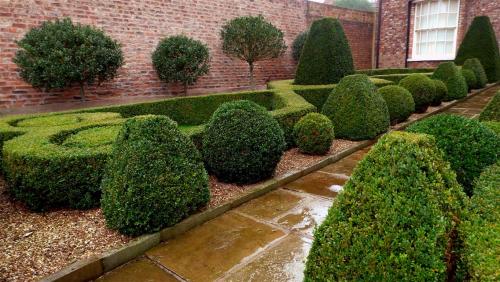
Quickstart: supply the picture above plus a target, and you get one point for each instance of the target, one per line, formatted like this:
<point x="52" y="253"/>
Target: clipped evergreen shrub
<point x="492" y="110"/>
<point x="356" y="110"/>
<point x="154" y="178"/>
<point x="326" y="56"/>
<point x="475" y="65"/>
<point x="480" y="42"/>
<point x="468" y="145"/>
<point x="298" y="45"/>
<point x="399" y="102"/>
<point x="242" y="143"/>
<point x="470" y="79"/>
<point x="493" y="125"/>
<point x="450" y="74"/>
<point x="392" y="219"/>
<point x="314" y="134"/>
<point x="440" y="94"/>
<point x="422" y="90"/>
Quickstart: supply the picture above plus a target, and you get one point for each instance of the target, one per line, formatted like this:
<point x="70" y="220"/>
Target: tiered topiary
<point x="298" y="45"/>
<point x="242" y="143"/>
<point x="314" y="134"/>
<point x="399" y="102"/>
<point x="470" y="79"/>
<point x="393" y="219"/>
<point x="455" y="83"/>
<point x="492" y="110"/>
<point x="475" y="65"/>
<point x="421" y="88"/>
<point x="440" y="94"/>
<point x="356" y="109"/>
<point x="154" y="178"/>
<point x="468" y="145"/>
<point x="480" y="42"/>
<point x="326" y="56"/>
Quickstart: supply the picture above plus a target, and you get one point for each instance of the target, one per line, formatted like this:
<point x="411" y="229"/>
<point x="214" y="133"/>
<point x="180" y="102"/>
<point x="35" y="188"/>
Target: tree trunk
<point x="82" y="92"/>
<point x="185" y="89"/>
<point x="252" y="82"/>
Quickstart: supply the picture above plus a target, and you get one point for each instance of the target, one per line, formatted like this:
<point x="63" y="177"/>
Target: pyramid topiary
<point x="480" y="42"/>
<point x="492" y="110"/>
<point x="421" y="88"/>
<point x="399" y="102"/>
<point x="326" y="56"/>
<point x="357" y="111"/>
<point x="450" y="74"/>
<point x="475" y="65"/>
<point x="392" y="219"/>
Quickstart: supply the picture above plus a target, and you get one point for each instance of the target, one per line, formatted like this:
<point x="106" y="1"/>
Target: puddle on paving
<point x="307" y="216"/>
<point x="317" y="183"/>
<point x="271" y="205"/>
<point x="138" y="271"/>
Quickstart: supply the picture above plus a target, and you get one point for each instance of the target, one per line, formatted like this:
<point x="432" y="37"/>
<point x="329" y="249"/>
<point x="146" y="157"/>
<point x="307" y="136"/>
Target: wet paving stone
<point x="208" y="251"/>
<point x="271" y="205"/>
<point x="283" y="262"/>
<point x="306" y="216"/>
<point x="141" y="270"/>
<point x="319" y="183"/>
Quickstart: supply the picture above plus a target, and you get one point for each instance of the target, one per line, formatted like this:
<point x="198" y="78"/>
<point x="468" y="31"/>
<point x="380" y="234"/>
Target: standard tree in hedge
<point x="326" y="57"/>
<point x="60" y="54"/>
<point x="252" y="39"/>
<point x="298" y="45"/>
<point x="480" y="42"/>
<point x="181" y="59"/>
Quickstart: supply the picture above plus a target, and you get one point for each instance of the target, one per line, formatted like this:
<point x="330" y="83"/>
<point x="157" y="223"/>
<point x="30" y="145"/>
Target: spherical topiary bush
<point x="475" y="66"/>
<point x="468" y="145"/>
<point x="356" y="110"/>
<point x="492" y="110"/>
<point x="422" y="90"/>
<point x="449" y="73"/>
<point x="242" y="143"/>
<point x="399" y="102"/>
<point x="298" y="45"/>
<point x="392" y="220"/>
<point x="440" y="94"/>
<point x="470" y="79"/>
<point x="154" y="177"/>
<point x="314" y="134"/>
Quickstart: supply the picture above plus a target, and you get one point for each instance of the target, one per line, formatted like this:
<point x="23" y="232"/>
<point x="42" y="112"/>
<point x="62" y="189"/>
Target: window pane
<point x="450" y="34"/>
<point x="442" y="20"/>
<point x="443" y="6"/>
<point x="433" y="21"/>
<point x="452" y="20"/>
<point x="440" y="48"/>
<point x="441" y="35"/>
<point x="449" y="48"/>
<point x="453" y="6"/>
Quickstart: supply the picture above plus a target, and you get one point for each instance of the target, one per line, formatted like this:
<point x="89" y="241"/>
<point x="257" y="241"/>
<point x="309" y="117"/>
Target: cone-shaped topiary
<point x="298" y="45"/>
<point x="470" y="78"/>
<point x="392" y="220"/>
<point x="440" y="94"/>
<point x="326" y="56"/>
<point x="468" y="145"/>
<point x="421" y="88"/>
<point x="399" y="102"/>
<point x="455" y="83"/>
<point x="314" y="134"/>
<point x="492" y="110"/>
<point x="242" y="143"/>
<point x="480" y="42"/>
<point x="356" y="109"/>
<point x="475" y="65"/>
<point x="154" y="178"/>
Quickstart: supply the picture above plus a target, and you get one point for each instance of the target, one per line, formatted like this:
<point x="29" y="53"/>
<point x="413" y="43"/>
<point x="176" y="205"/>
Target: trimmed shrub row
<point x="396" y="71"/>
<point x="455" y="83"/>
<point x="492" y="110"/>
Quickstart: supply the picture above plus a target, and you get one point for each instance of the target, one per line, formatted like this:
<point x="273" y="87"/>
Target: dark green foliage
<point x="392" y="219"/>
<point x="480" y="42"/>
<point x="493" y="125"/>
<point x="440" y="94"/>
<point x="396" y="78"/>
<point x="399" y="102"/>
<point x="394" y="71"/>
<point x="468" y="145"/>
<point x="326" y="56"/>
<point x="314" y="134"/>
<point x="315" y="96"/>
<point x="60" y="54"/>
<point x="356" y="109"/>
<point x="492" y="110"/>
<point x="252" y="39"/>
<point x="480" y="231"/>
<point x="455" y="82"/>
<point x="363" y="5"/>
<point x="470" y="79"/>
<point x="475" y="65"/>
<point x="154" y="178"/>
<point x="242" y="143"/>
<point x="298" y="45"/>
<point x="181" y="59"/>
<point x="421" y="88"/>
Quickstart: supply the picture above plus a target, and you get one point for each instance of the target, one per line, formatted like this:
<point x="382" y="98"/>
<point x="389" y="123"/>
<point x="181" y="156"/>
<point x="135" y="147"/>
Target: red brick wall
<point x="139" y="25"/>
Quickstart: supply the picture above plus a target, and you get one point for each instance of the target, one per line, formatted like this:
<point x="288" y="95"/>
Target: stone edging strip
<point x="94" y="267"/>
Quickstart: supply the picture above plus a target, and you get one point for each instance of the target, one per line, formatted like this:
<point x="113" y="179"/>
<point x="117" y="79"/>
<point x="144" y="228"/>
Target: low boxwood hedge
<point x="314" y="134"/>
<point x="393" y="218"/>
<point x="493" y="125"/>
<point x="396" y="78"/>
<point x="422" y="90"/>
<point x="492" y="110"/>
<point x="389" y="71"/>
<point x="399" y="102"/>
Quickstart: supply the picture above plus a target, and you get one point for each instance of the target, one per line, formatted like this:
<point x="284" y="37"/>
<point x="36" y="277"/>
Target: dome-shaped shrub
<point x="392" y="219"/>
<point x="242" y="143"/>
<point x="468" y="145"/>
<point x="475" y="65"/>
<point x="314" y="134"/>
<point x="154" y="177"/>
<point x="470" y="79"/>
<point x="492" y="109"/>
<point x="326" y="56"/>
<point x="399" y="102"/>
<point x="449" y="73"/>
<point x="440" y="94"/>
<point x="421" y="88"/>
<point x="356" y="109"/>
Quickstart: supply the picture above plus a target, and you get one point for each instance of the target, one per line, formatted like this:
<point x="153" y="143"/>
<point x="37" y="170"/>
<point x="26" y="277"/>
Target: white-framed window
<point x="435" y="30"/>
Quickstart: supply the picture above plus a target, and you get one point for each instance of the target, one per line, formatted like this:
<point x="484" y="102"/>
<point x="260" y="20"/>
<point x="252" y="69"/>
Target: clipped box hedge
<point x="389" y="71"/>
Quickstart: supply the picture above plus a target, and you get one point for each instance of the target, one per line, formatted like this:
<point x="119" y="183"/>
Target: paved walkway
<point x="266" y="239"/>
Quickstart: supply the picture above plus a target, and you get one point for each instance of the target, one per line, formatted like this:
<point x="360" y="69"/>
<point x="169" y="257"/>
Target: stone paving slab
<point x="319" y="183"/>
<point x="271" y="205"/>
<point x="141" y="270"/>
